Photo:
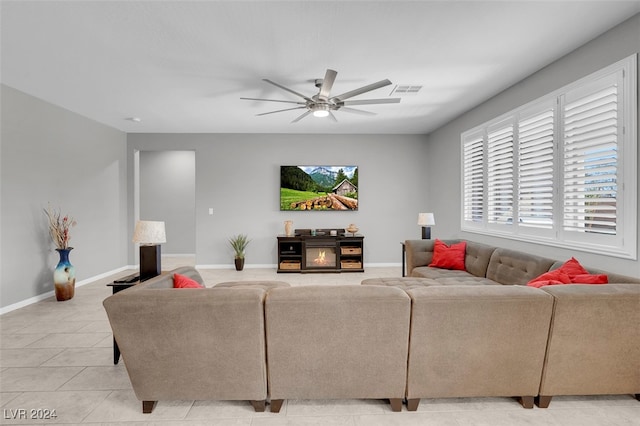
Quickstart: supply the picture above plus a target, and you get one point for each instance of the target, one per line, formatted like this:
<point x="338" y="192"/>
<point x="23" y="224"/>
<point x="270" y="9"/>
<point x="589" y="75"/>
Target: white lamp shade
<point x="149" y="232"/>
<point x="426" y="219"/>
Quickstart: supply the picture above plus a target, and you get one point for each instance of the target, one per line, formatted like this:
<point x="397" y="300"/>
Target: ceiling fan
<point x="323" y="104"/>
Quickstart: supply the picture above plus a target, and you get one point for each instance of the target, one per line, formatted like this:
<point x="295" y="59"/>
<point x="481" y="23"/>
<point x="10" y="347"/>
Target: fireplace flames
<point x="321" y="259"/>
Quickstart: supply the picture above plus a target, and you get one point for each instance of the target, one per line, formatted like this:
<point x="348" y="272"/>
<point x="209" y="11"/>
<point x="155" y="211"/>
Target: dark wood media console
<point x="322" y="252"/>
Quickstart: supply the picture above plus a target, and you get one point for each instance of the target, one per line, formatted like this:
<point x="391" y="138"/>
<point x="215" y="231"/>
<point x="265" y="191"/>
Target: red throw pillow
<point x="590" y="279"/>
<point x="449" y="257"/>
<point x="572" y="268"/>
<point x="550" y="278"/>
<point x="182" y="281"/>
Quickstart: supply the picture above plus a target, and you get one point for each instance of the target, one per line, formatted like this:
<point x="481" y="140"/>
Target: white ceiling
<point x="182" y="66"/>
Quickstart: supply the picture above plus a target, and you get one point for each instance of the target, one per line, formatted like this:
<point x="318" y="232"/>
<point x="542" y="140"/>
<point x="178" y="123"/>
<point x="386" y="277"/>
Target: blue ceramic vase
<point x="64" y="276"/>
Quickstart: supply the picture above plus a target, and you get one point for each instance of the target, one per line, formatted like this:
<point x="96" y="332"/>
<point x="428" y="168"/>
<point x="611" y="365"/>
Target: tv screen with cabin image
<point x="319" y="188"/>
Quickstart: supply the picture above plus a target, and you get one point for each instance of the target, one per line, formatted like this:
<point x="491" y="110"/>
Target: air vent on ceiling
<point x="405" y="89"/>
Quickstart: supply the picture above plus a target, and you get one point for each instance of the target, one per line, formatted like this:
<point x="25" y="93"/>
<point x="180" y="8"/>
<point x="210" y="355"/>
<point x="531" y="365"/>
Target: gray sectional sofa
<point x="437" y="333"/>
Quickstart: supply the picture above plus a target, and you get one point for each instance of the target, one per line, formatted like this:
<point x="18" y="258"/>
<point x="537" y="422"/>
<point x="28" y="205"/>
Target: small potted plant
<point x="239" y="243"/>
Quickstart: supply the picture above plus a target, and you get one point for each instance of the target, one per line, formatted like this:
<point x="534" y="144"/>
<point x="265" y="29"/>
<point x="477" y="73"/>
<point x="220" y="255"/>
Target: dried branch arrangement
<point x="59" y="227"/>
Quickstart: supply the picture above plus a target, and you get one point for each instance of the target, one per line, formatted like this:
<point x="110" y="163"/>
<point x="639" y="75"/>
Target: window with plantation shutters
<point x="590" y="158"/>
<point x="500" y="175"/>
<point x="561" y="170"/>
<point x="536" y="168"/>
<point x="473" y="179"/>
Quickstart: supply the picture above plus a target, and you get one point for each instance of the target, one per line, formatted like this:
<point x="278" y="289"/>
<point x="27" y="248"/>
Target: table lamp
<point x="150" y="234"/>
<point x="426" y="220"/>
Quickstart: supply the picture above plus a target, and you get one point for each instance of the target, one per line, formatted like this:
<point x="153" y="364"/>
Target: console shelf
<point x="322" y="252"/>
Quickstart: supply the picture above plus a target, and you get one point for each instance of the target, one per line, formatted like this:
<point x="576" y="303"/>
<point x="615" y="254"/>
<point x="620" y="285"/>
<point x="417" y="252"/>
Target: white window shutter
<point x="500" y="174"/>
<point x="536" y="168"/>
<point x="590" y="158"/>
<point x="473" y="179"/>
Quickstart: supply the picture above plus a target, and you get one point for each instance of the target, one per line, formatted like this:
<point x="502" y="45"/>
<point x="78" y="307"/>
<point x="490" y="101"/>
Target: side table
<point x="404" y="251"/>
<point x="119" y="285"/>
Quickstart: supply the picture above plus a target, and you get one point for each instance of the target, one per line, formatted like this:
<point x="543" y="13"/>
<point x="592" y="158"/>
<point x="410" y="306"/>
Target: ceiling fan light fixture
<point x="320" y="110"/>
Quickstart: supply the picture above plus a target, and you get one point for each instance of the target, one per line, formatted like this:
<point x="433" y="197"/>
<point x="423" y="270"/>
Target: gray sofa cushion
<point x="337" y="341"/>
<point x="437" y="273"/>
<point x="420" y="255"/>
<point x="515" y="267"/>
<point x="420" y="252"/>
<point x="265" y="285"/>
<point x="477" y="341"/>
<point x="450" y="277"/>
<point x="477" y="258"/>
<point x="404" y="283"/>
<point x="468" y="280"/>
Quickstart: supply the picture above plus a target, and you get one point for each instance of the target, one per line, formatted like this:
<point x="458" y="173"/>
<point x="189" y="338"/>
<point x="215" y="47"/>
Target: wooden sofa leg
<point x="259" y="406"/>
<point x="396" y="404"/>
<point x="526" y="401"/>
<point x="543" y="401"/>
<point x="276" y="405"/>
<point x="412" y="404"/>
<point x="148" y="406"/>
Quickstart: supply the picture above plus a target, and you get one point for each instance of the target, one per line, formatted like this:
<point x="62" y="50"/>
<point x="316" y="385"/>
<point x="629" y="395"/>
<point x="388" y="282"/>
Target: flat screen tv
<point x="319" y="188"/>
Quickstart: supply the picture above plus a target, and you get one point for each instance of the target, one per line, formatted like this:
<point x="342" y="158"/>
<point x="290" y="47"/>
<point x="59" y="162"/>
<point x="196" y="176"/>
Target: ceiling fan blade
<point x="327" y="84"/>
<point x="306" y="98"/>
<point x="280" y="110"/>
<point x="273" y="100"/>
<point x="357" y="111"/>
<point x="361" y="90"/>
<point x="333" y="117"/>
<point x="300" y="117"/>
<point x="370" y="101"/>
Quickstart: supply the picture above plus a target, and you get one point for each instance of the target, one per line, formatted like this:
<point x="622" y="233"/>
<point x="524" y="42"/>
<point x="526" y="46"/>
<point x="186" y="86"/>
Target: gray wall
<point x="168" y="193"/>
<point x="444" y="144"/>
<point x="238" y="175"/>
<point x="49" y="154"/>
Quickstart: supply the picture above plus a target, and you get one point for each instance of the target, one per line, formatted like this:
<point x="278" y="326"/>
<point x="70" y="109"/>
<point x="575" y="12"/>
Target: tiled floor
<point x="58" y="356"/>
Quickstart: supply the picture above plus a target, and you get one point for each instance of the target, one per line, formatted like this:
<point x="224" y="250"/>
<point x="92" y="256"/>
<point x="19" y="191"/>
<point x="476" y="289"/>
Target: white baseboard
<point x="232" y="266"/>
<point x="382" y="265"/>
<point x="274" y="266"/>
<point x="52" y="293"/>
